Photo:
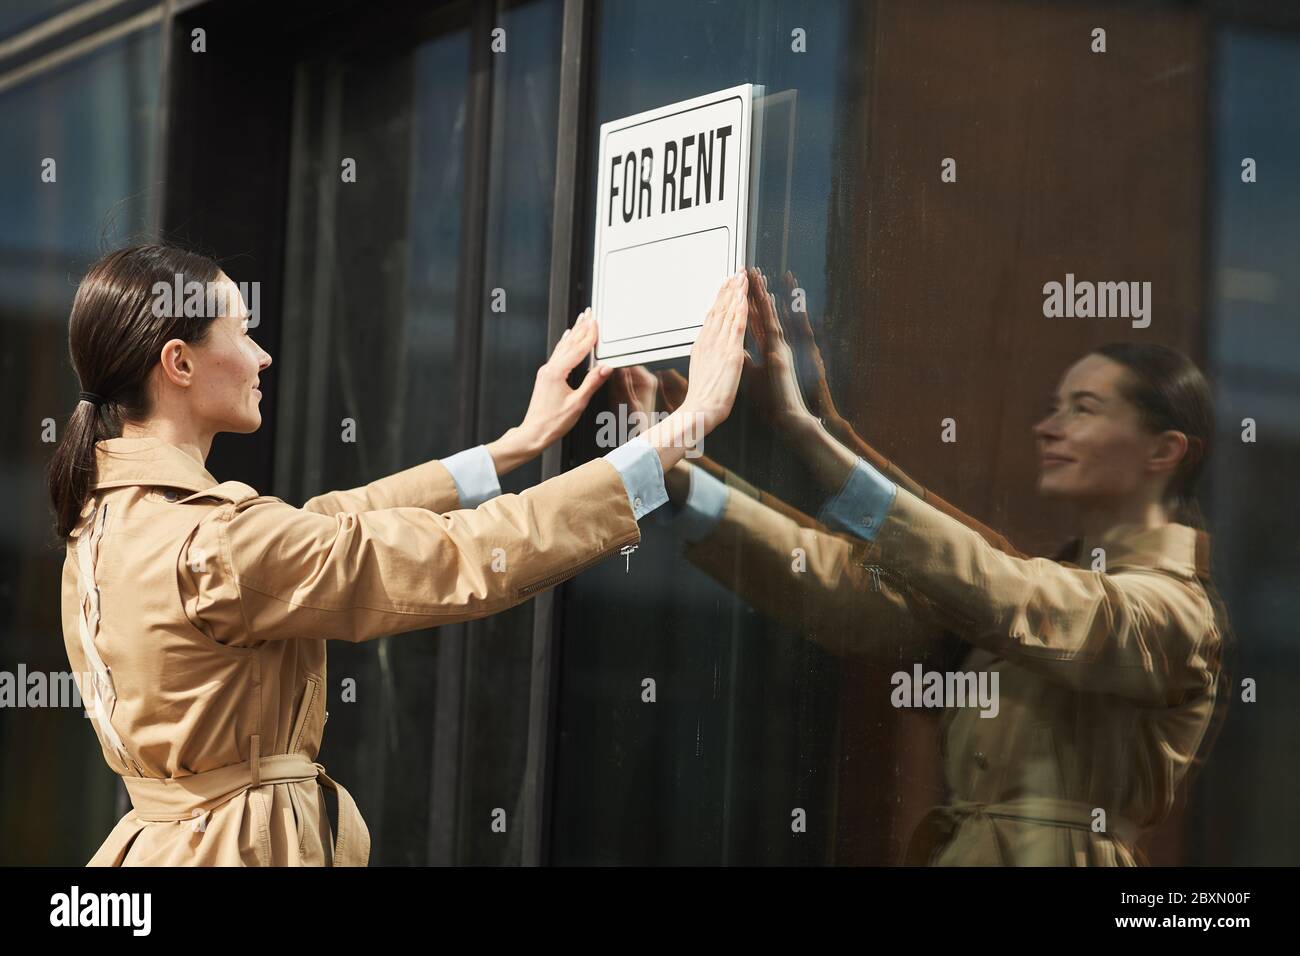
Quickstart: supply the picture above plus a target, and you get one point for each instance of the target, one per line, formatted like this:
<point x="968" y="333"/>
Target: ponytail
<point x="71" y="471"/>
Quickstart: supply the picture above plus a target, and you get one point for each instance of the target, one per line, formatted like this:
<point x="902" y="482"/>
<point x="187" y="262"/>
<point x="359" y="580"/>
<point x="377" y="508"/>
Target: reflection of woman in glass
<point x="196" y="612"/>
<point x="1107" y="657"/>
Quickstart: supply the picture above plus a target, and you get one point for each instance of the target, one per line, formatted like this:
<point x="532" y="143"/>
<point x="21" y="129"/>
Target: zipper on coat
<point x="626" y="552"/>
<point x="571" y="572"/>
<point x="878" y="571"/>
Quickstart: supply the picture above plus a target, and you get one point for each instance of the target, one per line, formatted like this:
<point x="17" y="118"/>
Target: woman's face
<point x="225" y="393"/>
<point x="1092" y="445"/>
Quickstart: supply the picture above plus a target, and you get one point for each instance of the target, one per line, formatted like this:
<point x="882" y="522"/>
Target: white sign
<point x="671" y="211"/>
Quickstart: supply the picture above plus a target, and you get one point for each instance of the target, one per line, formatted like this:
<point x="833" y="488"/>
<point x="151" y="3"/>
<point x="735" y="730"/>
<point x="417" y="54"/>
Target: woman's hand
<point x="716" y="362"/>
<point x="554" y="407"/>
<point x="718" y="357"/>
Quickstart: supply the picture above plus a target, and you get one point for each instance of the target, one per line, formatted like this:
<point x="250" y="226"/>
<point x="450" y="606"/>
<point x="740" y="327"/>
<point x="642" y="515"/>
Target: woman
<point x="1108" y="658"/>
<point x="198" y="610"/>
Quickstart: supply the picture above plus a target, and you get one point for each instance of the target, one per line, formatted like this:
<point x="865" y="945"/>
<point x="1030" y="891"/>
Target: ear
<point x="1168" y="450"/>
<point x="177" y="362"/>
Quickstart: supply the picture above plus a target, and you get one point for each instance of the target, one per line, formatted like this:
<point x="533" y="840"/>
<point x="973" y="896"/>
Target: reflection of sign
<point x="671" y="211"/>
<point x="769" y="191"/>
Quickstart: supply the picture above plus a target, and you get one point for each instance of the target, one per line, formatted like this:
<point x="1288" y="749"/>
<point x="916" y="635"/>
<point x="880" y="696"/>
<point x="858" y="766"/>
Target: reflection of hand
<point x="677" y="482"/>
<point x="774" y="385"/>
<point x="811" y="368"/>
<point x="554" y="406"/>
<point x="812" y="371"/>
<point x="634" y="388"/>
<point x="672" y="387"/>
<point x="778" y="396"/>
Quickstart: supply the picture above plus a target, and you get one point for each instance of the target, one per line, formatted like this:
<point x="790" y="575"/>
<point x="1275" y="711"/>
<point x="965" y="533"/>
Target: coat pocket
<point x="261" y="828"/>
<point x="300" y="828"/>
<point x="304" y="711"/>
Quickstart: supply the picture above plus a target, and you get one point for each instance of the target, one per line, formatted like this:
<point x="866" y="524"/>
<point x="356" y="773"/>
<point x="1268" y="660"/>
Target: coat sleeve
<point x="429" y="486"/>
<point x="286" y="573"/>
<point x="842" y="431"/>
<point x="1141" y="634"/>
<point x="764" y="498"/>
<point x="816" y="583"/>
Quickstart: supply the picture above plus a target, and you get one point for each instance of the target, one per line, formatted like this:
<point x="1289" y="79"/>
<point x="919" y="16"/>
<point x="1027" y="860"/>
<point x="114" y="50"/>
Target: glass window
<point x="946" y="162"/>
<point x="373" y="284"/>
<point x="498" y="662"/>
<point x="95" y="118"/>
<point x="378" y="280"/>
<point x="1254" y="345"/>
<point x="744" y="728"/>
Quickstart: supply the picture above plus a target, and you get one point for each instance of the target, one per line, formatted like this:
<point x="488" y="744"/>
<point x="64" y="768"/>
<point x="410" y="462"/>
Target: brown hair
<point x="1171" y="393"/>
<point x="115" y="339"/>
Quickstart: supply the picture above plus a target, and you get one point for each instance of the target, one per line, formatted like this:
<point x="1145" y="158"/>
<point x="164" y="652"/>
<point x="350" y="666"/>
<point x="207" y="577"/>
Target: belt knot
<point x="194" y="797"/>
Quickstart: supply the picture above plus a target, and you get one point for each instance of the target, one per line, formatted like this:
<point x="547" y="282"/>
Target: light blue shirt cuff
<point x="642" y="473"/>
<point x="704" y="505"/>
<point x="475" y="476"/>
<point x="862" y="502"/>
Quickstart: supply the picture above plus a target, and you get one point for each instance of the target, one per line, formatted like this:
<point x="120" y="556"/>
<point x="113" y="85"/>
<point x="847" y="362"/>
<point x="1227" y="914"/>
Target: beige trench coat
<point x="1107" y="681"/>
<point x="201" y="609"/>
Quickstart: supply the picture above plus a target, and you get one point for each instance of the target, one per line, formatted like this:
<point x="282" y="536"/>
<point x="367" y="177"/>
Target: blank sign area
<point x="659" y="286"/>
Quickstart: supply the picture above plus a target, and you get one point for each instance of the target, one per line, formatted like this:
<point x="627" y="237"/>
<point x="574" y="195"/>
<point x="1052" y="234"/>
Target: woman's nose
<point x="1048" y="426"/>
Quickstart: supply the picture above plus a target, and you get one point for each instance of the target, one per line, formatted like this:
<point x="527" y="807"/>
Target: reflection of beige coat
<point x="1107" y="681"/>
<point x="214" y="605"/>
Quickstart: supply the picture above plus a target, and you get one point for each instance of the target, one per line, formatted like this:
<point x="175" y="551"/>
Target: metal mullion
<point x="570" y="154"/>
<point x="302" y="296"/>
<point x="166" y="107"/>
<point x="66" y="22"/>
<point x="79" y="48"/>
<point x="469" y="339"/>
<point x="447" y="784"/>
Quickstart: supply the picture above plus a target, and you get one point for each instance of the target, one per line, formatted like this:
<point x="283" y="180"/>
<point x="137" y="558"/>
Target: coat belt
<point x="176" y="799"/>
<point x="940" y="823"/>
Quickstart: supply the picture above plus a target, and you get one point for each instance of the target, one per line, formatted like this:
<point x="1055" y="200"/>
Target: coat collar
<point x="1176" y="548"/>
<point x="147" y="461"/>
